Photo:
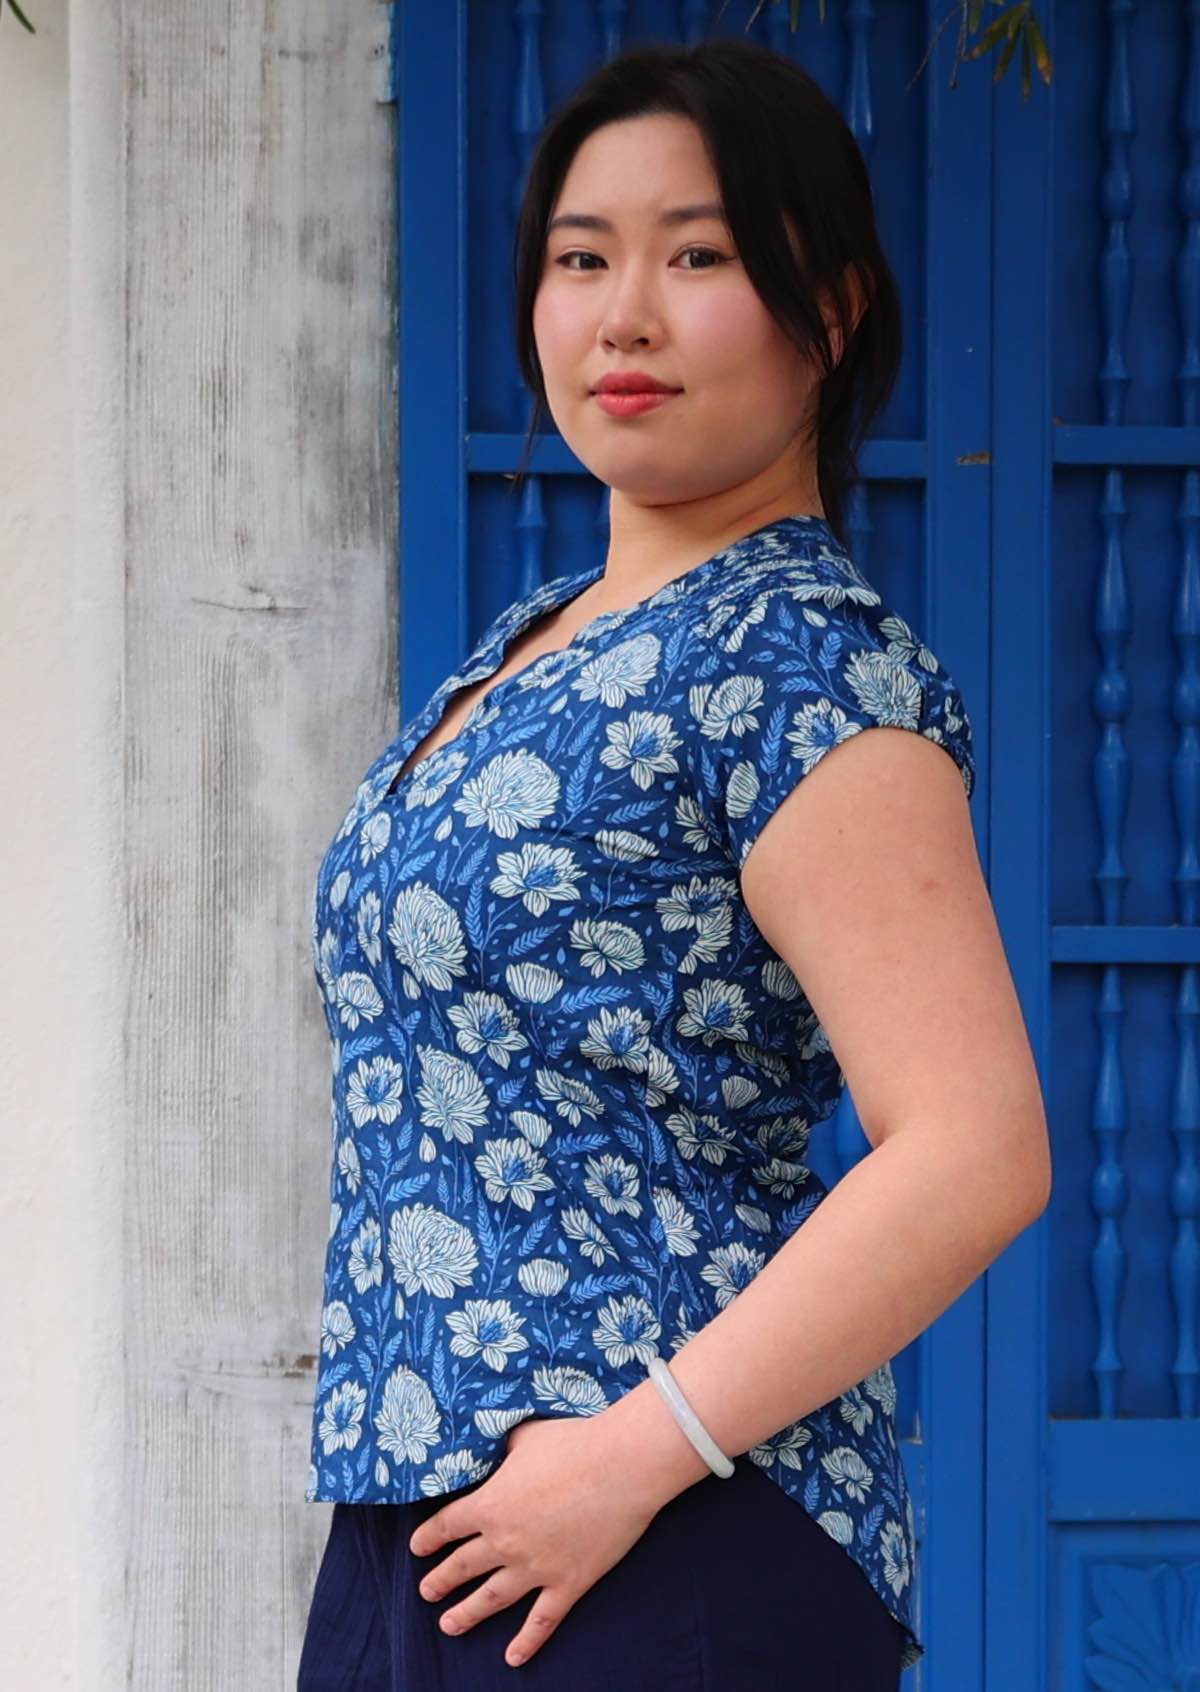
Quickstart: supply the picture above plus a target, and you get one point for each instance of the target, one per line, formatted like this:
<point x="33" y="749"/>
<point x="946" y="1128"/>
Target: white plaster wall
<point x="56" y="1429"/>
<point x="197" y="656"/>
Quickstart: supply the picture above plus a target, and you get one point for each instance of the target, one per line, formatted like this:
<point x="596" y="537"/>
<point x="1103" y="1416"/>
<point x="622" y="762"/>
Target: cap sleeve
<point x="790" y="675"/>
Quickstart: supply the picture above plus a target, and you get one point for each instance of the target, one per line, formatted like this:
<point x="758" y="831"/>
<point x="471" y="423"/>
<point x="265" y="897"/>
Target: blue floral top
<point x="572" y="1084"/>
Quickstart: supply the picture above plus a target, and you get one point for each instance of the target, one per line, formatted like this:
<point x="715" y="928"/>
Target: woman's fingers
<point x="552" y="1605"/>
<point x="472" y="1558"/>
<point x="499" y="1590"/>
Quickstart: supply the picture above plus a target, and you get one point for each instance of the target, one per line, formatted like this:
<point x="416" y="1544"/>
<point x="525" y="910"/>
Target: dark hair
<point x="778" y="147"/>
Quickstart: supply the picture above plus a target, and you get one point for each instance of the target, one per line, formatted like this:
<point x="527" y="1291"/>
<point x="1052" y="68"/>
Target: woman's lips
<point x="629" y="405"/>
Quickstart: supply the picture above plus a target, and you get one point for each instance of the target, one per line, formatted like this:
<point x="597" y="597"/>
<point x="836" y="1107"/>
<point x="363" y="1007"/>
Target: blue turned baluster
<point x="529" y="117"/>
<point x="1111" y="697"/>
<point x="1185" y="1112"/>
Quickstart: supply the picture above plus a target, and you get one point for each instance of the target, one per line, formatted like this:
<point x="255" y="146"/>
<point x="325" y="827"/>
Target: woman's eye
<point x="706" y="252"/>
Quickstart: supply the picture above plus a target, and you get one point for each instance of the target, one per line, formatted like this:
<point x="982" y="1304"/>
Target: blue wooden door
<point x="1032" y="504"/>
<point x="1092" y="1359"/>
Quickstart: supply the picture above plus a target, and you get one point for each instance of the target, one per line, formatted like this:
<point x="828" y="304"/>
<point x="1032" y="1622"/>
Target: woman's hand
<point x="562" y="1507"/>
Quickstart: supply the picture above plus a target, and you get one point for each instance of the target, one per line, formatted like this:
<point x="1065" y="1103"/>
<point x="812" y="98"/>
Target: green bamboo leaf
<point x="974" y="16"/>
<point x="1005" y="57"/>
<point x="1026" y="66"/>
<point x="1040" y="51"/>
<point x="21" y="18"/>
<point x="1007" y="23"/>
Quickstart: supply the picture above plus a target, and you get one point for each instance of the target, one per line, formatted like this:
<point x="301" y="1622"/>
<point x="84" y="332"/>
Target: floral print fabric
<point x="572" y="1085"/>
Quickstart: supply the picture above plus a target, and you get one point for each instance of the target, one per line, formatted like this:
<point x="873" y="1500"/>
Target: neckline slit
<point x="580" y="580"/>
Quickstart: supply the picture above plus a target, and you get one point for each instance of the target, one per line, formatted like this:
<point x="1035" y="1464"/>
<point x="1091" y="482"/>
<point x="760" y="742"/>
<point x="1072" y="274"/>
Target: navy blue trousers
<point x="733" y="1585"/>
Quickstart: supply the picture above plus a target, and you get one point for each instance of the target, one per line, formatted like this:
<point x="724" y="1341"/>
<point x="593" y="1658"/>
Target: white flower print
<point x="515" y="790"/>
<point x="881" y="1384"/>
<point x="643" y="744"/>
<point x="625" y="846"/>
<point x="486" y="1024"/>
<point x="537" y="875"/>
<point x="430" y="1251"/>
<point x="533" y="984"/>
<point x="692" y="903"/>
<point x="370" y="914"/>
<point x="778" y="980"/>
<point x="570" y="1098"/>
<point x="699" y="1135"/>
<point x="903" y="643"/>
<point x="662" y="1077"/>
<point x="543" y="1277"/>
<point x="374" y="836"/>
<point x="832" y="594"/>
<point x="626" y="1331"/>
<point x="357" y="998"/>
<point x="374" y="1091"/>
<point x="548" y="670"/>
<point x="429" y="780"/>
<point x="697" y="831"/>
<point x="787" y="1447"/>
<point x="511" y="1169"/>
<point x="591" y="1239"/>
<point x="885" y="688"/>
<point x="337" y="1327"/>
<point x="622" y="672"/>
<point x="341" y="1420"/>
<point x="328" y="953"/>
<point x="713" y="935"/>
<point x="618" y="1039"/>
<point x="427" y="938"/>
<point x="487" y="1328"/>
<point x="729" y="1269"/>
<point x="897" y="1570"/>
<point x="452" y="1470"/>
<point x="349" y="1167"/>
<point x="729" y="708"/>
<point x="846" y="1468"/>
<point x="607" y="945"/>
<point x="678" y="1225"/>
<point x="738" y="1091"/>
<point x="780" y="1176"/>
<point x="816" y="730"/>
<point x="365" y="1263"/>
<point x="451" y="1095"/>
<point x="337" y="892"/>
<point x="536" y="1128"/>
<point x="854" y="1409"/>
<point x="613" y="1181"/>
<point x="716" y="1010"/>
<point x="569" y="1391"/>
<point x="408" y="1422"/>
<point x="838" y="1525"/>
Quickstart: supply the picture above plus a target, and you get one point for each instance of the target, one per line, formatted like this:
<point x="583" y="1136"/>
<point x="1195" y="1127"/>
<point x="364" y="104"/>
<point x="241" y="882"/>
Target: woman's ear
<point x="858" y="305"/>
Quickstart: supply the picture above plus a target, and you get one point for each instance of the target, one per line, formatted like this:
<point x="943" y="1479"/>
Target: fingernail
<point x="515" y="1659"/>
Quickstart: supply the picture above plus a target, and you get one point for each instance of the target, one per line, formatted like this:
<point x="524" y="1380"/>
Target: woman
<point x="588" y="942"/>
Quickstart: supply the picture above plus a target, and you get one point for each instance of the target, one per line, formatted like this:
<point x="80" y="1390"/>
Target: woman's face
<point x="669" y="300"/>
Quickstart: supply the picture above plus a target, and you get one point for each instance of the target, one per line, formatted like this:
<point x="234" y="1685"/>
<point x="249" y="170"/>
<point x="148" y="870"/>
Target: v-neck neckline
<point x="545" y="604"/>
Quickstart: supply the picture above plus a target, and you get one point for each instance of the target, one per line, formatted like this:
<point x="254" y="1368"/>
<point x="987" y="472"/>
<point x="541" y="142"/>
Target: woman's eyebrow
<point x="677" y="214"/>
